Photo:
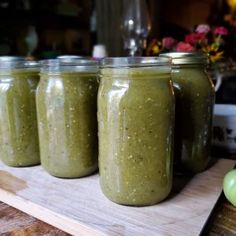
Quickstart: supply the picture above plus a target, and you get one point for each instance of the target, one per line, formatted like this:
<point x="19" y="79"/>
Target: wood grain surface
<point x="223" y="221"/>
<point x="16" y="223"/>
<point x="78" y="206"/>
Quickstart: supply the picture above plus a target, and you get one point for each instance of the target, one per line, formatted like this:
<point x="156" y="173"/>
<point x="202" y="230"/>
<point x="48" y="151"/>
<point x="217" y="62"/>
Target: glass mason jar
<point x="18" y="124"/>
<point x="195" y="98"/>
<point x="135" y="120"/>
<point x="66" y="108"/>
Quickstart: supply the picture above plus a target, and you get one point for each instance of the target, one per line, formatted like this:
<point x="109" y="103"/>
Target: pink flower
<point x="203" y="29"/>
<point x="184" y="47"/>
<point x="221" y="30"/>
<point x="193" y="38"/>
<point x="168" y="42"/>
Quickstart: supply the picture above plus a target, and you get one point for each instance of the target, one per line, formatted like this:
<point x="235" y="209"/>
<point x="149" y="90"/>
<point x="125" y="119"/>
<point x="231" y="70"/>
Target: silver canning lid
<point x="69" y="65"/>
<point x="118" y="62"/>
<point x="186" y="58"/>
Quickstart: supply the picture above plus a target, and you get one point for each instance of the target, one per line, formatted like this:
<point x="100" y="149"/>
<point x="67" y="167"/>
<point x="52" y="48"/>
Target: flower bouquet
<point x="204" y="39"/>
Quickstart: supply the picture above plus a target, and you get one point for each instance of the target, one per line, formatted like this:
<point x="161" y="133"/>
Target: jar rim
<point x="14" y="62"/>
<point x="72" y="57"/>
<point x="186" y="58"/>
<point x="118" y="62"/>
<point x="11" y="58"/>
<point x="71" y="64"/>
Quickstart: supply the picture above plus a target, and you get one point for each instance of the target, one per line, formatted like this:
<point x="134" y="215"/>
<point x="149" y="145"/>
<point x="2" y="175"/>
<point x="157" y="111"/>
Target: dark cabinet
<point x="61" y="26"/>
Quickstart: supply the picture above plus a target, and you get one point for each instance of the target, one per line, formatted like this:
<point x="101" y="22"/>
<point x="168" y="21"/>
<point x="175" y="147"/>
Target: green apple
<point x="229" y="186"/>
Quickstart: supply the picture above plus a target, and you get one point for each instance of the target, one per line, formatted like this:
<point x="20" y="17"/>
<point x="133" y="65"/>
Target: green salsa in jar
<point x="195" y="97"/>
<point x="18" y="124"/>
<point x="67" y="121"/>
<point x="135" y="118"/>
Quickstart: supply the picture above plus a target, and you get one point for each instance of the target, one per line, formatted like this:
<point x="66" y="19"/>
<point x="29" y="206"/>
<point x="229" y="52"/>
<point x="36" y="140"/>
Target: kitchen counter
<point x="16" y="223"/>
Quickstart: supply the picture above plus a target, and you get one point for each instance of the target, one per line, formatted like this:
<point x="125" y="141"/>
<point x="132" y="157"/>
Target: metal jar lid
<point x="186" y="58"/>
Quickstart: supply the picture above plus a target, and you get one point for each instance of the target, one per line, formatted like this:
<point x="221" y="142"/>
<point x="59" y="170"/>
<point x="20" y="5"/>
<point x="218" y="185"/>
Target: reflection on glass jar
<point x="18" y="124"/>
<point x="66" y="109"/>
<point x="135" y="117"/>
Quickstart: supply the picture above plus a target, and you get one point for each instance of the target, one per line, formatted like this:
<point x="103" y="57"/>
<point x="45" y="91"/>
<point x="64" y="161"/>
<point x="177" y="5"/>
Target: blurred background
<point x="48" y="28"/>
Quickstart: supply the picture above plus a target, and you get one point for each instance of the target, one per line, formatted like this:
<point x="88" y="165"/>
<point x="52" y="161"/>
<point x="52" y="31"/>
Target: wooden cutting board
<point x="78" y="206"/>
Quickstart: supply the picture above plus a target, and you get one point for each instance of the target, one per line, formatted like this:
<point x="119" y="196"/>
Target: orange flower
<point x="213" y="52"/>
<point x="232" y="4"/>
<point x="154" y="48"/>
